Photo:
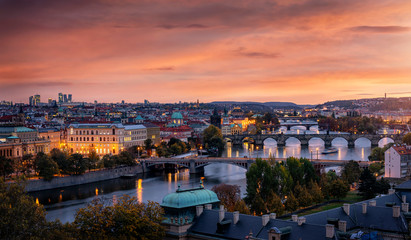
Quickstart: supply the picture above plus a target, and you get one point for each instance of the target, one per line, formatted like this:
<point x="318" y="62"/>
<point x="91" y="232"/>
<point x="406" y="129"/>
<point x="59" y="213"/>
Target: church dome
<point x="176" y="115"/>
<point x="189" y="198"/>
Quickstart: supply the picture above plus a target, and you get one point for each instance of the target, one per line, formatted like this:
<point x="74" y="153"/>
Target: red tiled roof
<point x="403" y="150"/>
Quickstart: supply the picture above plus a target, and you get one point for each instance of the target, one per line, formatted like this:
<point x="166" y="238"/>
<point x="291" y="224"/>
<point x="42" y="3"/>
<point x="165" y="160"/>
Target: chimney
<point x="199" y="210"/>
<point x="364" y="208"/>
<point x="373" y="203"/>
<point x="236" y="216"/>
<point x="221" y="213"/>
<point x="273" y="216"/>
<point x="294" y="217"/>
<point x="396" y="211"/>
<point x="391" y="191"/>
<point x="265" y="219"/>
<point x="208" y="206"/>
<point x="329" y="231"/>
<point x="346" y="208"/>
<point x="404" y="198"/>
<point x="342" y="226"/>
<point x="300" y="221"/>
<point x="404" y="207"/>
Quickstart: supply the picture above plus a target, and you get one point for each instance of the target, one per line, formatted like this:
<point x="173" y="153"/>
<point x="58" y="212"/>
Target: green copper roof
<point x="176" y="115"/>
<point x="189" y="198"/>
<point x="139" y="117"/>
<point x="24" y="129"/>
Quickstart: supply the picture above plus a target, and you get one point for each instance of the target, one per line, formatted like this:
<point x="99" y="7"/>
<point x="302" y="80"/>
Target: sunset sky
<point x="302" y="51"/>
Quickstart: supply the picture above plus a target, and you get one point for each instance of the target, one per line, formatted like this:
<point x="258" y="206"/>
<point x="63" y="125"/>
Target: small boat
<point x="329" y="150"/>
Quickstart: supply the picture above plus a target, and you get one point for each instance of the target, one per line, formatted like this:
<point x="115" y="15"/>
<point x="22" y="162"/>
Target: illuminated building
<point x="60" y="97"/>
<point x="398" y="161"/>
<point x="51" y="134"/>
<point x="236" y="129"/>
<point x="104" y="138"/>
<point x="18" y="141"/>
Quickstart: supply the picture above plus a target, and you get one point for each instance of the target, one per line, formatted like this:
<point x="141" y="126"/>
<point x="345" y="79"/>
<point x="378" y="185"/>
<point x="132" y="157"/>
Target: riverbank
<point x="89" y="177"/>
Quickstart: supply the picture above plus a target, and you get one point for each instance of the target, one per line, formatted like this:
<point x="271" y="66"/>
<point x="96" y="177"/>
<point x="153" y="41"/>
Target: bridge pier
<point x="193" y="168"/>
<point x="327" y="143"/>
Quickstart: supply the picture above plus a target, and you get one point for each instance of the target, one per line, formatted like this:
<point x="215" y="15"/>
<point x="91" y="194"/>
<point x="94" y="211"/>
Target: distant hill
<point x="263" y="104"/>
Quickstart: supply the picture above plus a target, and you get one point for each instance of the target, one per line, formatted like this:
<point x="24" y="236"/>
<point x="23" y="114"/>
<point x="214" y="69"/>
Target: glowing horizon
<point x="301" y="51"/>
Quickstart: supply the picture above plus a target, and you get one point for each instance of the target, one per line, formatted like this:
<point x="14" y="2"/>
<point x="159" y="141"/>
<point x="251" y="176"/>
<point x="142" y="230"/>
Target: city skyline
<point x="306" y="52"/>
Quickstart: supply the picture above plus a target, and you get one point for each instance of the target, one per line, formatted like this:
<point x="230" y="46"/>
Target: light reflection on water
<point x="63" y="203"/>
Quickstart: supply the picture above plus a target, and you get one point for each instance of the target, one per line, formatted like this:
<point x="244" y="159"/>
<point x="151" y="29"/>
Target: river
<point x="63" y="203"/>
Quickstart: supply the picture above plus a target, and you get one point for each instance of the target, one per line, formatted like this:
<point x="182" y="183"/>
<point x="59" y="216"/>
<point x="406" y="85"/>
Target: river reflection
<point x="63" y="203"/>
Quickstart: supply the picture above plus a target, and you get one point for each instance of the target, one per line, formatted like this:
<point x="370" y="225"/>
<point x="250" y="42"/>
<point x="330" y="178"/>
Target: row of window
<point x="87" y="139"/>
<point x="7" y="152"/>
<point x="135" y="132"/>
<point x="92" y="132"/>
<point x="98" y="151"/>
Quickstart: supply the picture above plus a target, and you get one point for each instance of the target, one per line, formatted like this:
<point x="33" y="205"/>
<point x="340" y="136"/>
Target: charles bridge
<point x="258" y="139"/>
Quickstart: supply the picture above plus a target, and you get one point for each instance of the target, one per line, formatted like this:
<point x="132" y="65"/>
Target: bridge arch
<point x="362" y="142"/>
<point x="298" y="127"/>
<point x="315" y="141"/>
<point x="339" y="142"/>
<point x="270" y="142"/>
<point x="292" y="141"/>
<point x="384" y="141"/>
<point x="248" y="140"/>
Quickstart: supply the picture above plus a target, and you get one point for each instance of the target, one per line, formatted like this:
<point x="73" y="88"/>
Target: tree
<point x="303" y="197"/>
<point x="407" y="139"/>
<point x="292" y="203"/>
<point x="25" y="219"/>
<point x="213" y="139"/>
<point x="148" y="145"/>
<point x="339" y="189"/>
<point x="229" y="195"/>
<point x="27" y="164"/>
<point x="107" y="161"/>
<point x="61" y="159"/>
<point x="316" y="193"/>
<point x="370" y="187"/>
<point x="376" y="167"/>
<point x="6" y="166"/>
<point x="377" y="154"/>
<point x="125" y="158"/>
<point x="351" y="172"/>
<point x="93" y="158"/>
<point x="46" y="166"/>
<point x="78" y="164"/>
<point x="241" y="207"/>
<point x="127" y="219"/>
<point x="258" y="205"/>
<point x="260" y="181"/>
<point x="274" y="204"/>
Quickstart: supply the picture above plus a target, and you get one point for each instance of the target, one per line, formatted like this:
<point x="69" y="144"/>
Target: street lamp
<point x="311" y="155"/>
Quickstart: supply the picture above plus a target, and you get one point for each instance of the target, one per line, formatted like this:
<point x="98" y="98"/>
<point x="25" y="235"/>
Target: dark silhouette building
<point x="215" y="119"/>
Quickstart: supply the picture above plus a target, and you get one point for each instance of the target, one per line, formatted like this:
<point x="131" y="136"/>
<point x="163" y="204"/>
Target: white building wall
<point x="392" y="163"/>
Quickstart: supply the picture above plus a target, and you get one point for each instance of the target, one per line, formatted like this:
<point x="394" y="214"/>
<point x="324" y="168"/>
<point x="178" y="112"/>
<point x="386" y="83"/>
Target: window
<point x="92" y="139"/>
<point x="114" y="131"/>
<point x="92" y="132"/>
<point x="96" y="132"/>
<point x="71" y="138"/>
<point x="100" y="139"/>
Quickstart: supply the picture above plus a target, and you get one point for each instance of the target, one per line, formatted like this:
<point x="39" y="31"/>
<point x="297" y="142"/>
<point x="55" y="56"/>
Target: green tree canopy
<point x="260" y="181"/>
<point x="407" y="139"/>
<point x="78" y="164"/>
<point x="351" y="172"/>
<point x="46" y="166"/>
<point x="61" y="158"/>
<point x="127" y="219"/>
<point x="6" y="166"/>
<point x="213" y="139"/>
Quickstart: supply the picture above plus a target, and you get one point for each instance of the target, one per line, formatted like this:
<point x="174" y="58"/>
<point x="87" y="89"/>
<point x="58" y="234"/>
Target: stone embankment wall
<point x="88" y="177"/>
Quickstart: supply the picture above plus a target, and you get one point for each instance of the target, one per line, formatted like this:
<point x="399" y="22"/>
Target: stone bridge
<point x="304" y="139"/>
<point x="196" y="165"/>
